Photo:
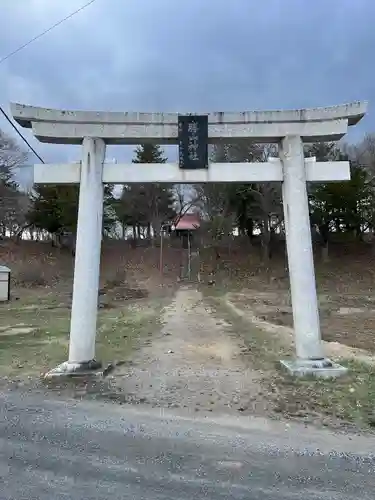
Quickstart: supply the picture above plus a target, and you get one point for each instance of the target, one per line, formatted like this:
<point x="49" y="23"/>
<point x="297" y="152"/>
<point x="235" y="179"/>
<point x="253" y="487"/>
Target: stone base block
<point x="67" y="369"/>
<point x="324" y="368"/>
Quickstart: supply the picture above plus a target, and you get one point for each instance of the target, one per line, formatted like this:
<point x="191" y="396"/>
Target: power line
<point x="69" y="16"/>
<point x="21" y="135"/>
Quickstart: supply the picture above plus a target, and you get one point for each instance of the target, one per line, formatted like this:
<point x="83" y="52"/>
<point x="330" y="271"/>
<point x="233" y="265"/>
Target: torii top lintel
<point x="69" y="127"/>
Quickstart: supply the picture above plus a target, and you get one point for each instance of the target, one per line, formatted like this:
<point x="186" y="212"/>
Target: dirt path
<point x="193" y="364"/>
<point x="258" y="316"/>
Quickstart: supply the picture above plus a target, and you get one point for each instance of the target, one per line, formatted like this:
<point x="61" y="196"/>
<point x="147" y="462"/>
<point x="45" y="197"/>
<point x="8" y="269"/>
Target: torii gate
<point x="290" y="129"/>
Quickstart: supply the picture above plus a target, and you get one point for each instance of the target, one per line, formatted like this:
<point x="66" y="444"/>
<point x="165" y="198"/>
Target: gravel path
<point x="194" y="364"/>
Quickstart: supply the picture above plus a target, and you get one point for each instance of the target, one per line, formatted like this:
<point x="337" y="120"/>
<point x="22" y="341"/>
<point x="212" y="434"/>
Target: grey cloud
<point x="191" y="56"/>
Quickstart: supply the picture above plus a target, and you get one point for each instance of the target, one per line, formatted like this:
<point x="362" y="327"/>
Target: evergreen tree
<point x="55" y="208"/>
<point x="146" y="204"/>
<point x="149" y="153"/>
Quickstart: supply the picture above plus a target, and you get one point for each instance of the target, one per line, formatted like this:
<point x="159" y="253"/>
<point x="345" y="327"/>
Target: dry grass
<point x="345" y="402"/>
<point x="39" y="266"/>
<point x="346" y="319"/>
<point x="42" y="278"/>
<point x="347" y="306"/>
<point x="33" y="341"/>
<point x="346" y="281"/>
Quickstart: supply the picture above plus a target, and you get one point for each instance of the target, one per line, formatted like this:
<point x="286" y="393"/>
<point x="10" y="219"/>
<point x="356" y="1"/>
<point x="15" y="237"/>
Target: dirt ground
<point x="34" y="325"/>
<point x="200" y="349"/>
<point x="194" y="363"/>
<point x="345" y="319"/>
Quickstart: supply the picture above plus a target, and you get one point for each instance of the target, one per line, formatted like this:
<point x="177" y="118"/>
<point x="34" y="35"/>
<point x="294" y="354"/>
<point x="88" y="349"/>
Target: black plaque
<point x="193" y="141"/>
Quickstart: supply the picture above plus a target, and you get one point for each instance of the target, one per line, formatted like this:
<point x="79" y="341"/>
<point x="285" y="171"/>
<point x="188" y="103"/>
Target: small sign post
<point x="193" y="141"/>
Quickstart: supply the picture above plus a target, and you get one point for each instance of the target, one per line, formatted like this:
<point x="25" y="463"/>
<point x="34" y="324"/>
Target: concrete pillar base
<point x="323" y="368"/>
<point x="67" y="369"/>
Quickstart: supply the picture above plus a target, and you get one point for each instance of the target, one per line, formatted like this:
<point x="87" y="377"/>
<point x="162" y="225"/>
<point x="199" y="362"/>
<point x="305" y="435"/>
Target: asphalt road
<point x="57" y="450"/>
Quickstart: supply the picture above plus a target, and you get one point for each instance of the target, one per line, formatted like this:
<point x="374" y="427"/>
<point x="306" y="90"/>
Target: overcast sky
<point x="195" y="55"/>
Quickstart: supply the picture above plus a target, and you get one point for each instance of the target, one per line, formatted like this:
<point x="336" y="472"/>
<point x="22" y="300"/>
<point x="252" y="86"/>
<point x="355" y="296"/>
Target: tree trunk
<point x="18" y="235"/>
<point x="250" y="229"/>
<point x="266" y="240"/>
<point x="324" y="235"/>
<point x="325" y="253"/>
<point x="359" y="233"/>
<point x="156" y="226"/>
<point x="286" y="262"/>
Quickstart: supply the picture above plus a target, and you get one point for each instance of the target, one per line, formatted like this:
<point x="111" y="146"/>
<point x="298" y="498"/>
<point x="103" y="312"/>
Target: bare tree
<point x="266" y="206"/>
<point x="187" y="198"/>
<point x="363" y="154"/>
<point x="11" y="156"/>
<point x="267" y="202"/>
<point x="12" y="203"/>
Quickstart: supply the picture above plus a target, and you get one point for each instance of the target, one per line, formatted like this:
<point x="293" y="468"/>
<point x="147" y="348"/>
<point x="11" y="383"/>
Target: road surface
<point x="67" y="450"/>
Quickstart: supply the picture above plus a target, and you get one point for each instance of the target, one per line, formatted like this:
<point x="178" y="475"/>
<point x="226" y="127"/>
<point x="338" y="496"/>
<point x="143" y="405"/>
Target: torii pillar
<point x="290" y="129"/>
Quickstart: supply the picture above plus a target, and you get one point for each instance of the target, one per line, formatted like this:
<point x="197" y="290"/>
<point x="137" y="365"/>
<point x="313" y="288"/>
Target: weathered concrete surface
<point x="70" y="173"/>
<point x="69" y="127"/>
<point x="25" y="115"/>
<point x="62" y="450"/>
<point x="131" y="134"/>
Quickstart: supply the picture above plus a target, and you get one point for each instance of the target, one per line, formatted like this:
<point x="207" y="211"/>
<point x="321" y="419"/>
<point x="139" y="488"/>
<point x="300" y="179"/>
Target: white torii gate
<point x="290" y="129"/>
